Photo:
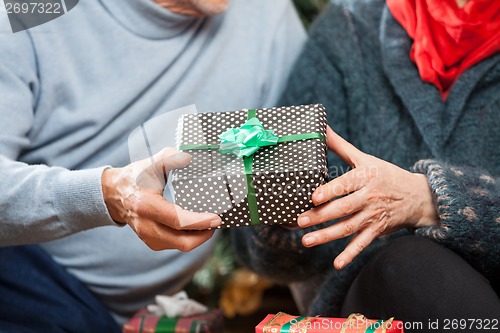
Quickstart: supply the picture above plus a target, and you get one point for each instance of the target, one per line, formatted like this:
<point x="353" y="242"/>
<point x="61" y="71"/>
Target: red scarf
<point x="447" y="40"/>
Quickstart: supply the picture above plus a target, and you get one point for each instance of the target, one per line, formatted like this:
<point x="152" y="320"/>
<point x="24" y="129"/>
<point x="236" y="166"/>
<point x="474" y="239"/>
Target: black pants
<point x="427" y="286"/>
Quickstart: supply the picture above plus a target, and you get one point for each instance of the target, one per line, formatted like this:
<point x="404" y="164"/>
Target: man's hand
<point x="374" y="198"/>
<point x="134" y="195"/>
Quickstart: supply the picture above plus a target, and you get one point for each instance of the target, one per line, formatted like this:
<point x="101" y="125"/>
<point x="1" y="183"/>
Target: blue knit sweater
<point x="357" y="64"/>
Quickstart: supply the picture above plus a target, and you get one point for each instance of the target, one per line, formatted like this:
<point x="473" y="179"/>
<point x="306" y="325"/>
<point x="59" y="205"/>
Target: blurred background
<point x="244" y="297"/>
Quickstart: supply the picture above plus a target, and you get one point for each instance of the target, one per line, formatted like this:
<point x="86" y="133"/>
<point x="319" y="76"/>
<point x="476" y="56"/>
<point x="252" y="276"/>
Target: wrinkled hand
<point x="134" y="195"/>
<point x="374" y="198"/>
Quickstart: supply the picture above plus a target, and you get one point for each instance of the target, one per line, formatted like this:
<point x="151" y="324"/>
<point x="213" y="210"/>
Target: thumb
<point x="155" y="171"/>
<point x="345" y="150"/>
<point x="169" y="158"/>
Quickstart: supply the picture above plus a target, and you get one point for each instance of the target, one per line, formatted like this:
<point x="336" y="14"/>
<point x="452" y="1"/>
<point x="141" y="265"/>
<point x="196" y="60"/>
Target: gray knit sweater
<point x="357" y="64"/>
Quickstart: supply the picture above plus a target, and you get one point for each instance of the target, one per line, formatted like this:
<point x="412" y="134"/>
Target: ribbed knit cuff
<point x="442" y="197"/>
<point x="78" y="200"/>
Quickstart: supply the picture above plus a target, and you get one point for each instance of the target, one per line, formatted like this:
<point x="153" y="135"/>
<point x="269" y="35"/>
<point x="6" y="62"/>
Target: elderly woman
<point x="412" y="218"/>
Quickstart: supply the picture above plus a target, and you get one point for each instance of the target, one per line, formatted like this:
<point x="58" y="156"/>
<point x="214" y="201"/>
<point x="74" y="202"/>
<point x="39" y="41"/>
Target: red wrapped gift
<point x="147" y="322"/>
<point x="355" y="323"/>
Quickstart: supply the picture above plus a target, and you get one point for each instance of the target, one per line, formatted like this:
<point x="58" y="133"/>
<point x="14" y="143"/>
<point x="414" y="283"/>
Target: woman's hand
<point x="372" y="199"/>
<point x="134" y="195"/>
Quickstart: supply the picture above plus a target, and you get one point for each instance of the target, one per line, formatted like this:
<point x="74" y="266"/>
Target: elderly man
<point x="71" y="92"/>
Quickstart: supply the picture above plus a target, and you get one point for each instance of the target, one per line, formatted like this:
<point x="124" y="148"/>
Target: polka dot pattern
<point x="205" y="128"/>
<point x="284" y="175"/>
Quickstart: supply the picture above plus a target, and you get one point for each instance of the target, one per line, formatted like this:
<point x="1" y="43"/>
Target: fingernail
<point x="182" y="156"/>
<point x="341" y="264"/>
<point x="215" y="223"/>
<point x="303" y="221"/>
<point x="309" y="240"/>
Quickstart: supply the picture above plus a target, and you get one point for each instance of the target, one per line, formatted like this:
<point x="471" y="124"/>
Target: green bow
<point x="247" y="139"/>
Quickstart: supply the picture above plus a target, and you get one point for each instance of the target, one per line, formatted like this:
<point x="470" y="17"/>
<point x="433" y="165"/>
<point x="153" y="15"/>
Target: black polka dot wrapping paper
<point x="271" y="186"/>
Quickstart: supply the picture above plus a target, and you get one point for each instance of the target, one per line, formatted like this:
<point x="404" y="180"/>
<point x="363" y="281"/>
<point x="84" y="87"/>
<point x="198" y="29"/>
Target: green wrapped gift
<point x="146" y="322"/>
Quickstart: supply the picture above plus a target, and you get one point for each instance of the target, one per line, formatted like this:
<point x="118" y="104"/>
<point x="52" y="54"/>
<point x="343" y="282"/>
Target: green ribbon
<point x="253" y="209"/>
<point x="244" y="142"/>
<point x="373" y="327"/>
<point x="288" y="326"/>
<point x="166" y="324"/>
<point x="281" y="139"/>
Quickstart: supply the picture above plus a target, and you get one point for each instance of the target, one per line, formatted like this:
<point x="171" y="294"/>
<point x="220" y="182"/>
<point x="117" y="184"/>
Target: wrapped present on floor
<point x="175" y="314"/>
<point x="355" y="323"/>
<point x="252" y="167"/>
<point x="147" y="322"/>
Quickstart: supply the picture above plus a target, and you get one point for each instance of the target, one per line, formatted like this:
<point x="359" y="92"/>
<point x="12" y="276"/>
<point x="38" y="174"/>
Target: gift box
<point x="252" y="167"/>
<point x="147" y="322"/>
<point x="355" y="323"/>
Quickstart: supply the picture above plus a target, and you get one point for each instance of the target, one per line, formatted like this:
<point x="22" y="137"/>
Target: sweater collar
<point x="147" y="19"/>
<point x="435" y="119"/>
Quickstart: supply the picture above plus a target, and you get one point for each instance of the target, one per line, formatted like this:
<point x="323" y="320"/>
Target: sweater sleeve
<point x="38" y="203"/>
<point x="468" y="204"/>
